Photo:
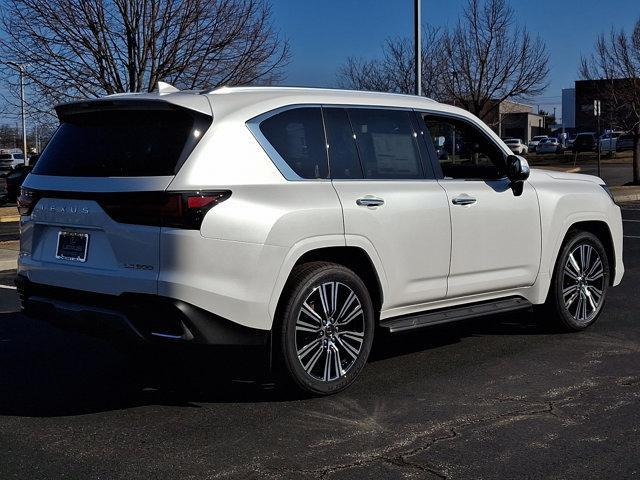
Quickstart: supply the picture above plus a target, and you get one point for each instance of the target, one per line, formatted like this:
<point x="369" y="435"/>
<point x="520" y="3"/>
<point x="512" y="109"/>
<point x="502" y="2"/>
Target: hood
<point x="558" y="175"/>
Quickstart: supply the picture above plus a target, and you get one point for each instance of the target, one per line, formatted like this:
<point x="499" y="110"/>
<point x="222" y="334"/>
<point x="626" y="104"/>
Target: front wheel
<point x="580" y="281"/>
<point x="326" y="327"/>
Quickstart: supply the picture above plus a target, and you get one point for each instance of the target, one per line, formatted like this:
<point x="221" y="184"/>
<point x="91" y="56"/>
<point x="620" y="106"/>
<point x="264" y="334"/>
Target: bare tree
<point x="88" y="48"/>
<point x="394" y="71"/>
<point x="490" y="58"/>
<point x="616" y="60"/>
<point x="485" y="59"/>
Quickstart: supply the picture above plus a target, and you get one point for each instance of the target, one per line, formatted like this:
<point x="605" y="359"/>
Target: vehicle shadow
<point x="45" y="372"/>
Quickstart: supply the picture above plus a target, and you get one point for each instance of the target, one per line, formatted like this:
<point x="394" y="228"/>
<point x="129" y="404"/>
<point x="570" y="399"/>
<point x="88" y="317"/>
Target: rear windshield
<point x="121" y="143"/>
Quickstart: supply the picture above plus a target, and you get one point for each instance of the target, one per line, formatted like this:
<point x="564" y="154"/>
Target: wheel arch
<point x="355" y="258"/>
<point x="601" y="230"/>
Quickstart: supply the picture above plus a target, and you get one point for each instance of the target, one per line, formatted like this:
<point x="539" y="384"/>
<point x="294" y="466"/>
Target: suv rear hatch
<point x="94" y="205"/>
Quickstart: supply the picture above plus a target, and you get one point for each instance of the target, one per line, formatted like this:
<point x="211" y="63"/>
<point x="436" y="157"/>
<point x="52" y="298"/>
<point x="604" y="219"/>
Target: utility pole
<point x="20" y="68"/>
<point x="417" y="43"/>
<point x="597" y="111"/>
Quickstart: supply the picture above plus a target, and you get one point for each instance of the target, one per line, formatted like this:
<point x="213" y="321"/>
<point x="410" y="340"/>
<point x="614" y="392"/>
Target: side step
<point x="444" y="315"/>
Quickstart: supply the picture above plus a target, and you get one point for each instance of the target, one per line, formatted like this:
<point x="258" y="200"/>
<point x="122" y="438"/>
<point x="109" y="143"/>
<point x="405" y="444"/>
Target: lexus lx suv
<point x="302" y="221"/>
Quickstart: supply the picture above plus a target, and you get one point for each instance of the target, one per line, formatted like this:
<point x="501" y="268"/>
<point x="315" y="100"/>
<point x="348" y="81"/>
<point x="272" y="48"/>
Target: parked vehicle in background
<point x="516" y="146"/>
<point x="549" y="145"/>
<point x="585" y="142"/>
<point x="11" y="158"/>
<point x="3" y="191"/>
<point x="14" y="180"/>
<point x="625" y="142"/>
<point x="301" y="221"/>
<point x="535" y="141"/>
<point x="570" y="140"/>
<point x="608" y="141"/>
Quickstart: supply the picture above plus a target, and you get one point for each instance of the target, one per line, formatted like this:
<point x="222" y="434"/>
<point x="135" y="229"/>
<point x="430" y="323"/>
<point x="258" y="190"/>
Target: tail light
<point x="27" y="200"/>
<point x="163" y="209"/>
<point x="179" y="210"/>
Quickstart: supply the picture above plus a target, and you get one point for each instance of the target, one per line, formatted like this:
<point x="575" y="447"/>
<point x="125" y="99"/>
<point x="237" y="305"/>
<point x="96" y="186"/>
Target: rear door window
<point x="387" y="144"/>
<point x="122" y="143"/>
<point x="298" y="137"/>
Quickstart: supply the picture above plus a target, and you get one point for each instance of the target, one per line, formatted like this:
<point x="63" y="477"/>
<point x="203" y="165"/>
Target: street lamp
<point x="20" y="68"/>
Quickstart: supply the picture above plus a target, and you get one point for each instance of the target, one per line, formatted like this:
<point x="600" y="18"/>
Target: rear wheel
<point x="580" y="281"/>
<point x="326" y="327"/>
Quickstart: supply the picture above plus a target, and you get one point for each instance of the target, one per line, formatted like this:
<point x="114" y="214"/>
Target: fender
<point x="307" y="245"/>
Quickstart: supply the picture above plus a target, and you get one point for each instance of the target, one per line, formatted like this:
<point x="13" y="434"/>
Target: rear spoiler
<point x="187" y="101"/>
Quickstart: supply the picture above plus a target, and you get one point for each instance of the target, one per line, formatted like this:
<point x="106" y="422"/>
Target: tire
<point x="309" y="337"/>
<point x="580" y="283"/>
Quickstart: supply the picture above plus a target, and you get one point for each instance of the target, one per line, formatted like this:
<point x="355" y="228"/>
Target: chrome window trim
<point x="283" y="167"/>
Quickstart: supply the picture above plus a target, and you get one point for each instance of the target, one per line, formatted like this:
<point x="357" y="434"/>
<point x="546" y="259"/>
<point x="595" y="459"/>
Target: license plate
<point x="72" y="246"/>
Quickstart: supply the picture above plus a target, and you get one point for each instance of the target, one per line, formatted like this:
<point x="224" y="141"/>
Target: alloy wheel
<point x="330" y="331"/>
<point x="583" y="283"/>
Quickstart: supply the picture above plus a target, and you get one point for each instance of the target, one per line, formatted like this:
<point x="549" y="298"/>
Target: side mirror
<point x="517" y="172"/>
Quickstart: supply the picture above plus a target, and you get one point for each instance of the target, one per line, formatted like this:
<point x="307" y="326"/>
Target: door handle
<point x="370" y="202"/>
<point x="464" y="200"/>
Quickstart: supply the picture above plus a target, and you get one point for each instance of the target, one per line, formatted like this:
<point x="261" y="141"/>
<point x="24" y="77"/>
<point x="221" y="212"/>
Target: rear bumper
<point x="133" y="316"/>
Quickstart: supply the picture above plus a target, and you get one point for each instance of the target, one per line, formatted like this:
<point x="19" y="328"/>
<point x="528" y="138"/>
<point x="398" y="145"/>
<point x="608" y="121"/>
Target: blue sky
<point x="324" y="33"/>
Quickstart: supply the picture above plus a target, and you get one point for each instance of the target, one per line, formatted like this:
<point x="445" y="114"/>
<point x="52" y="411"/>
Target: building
<point x="611" y="115"/>
<point x="516" y="120"/>
<point x="569" y="108"/>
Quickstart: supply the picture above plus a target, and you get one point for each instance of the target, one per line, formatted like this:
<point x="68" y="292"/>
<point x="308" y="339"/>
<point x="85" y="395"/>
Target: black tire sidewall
<point x="297" y="295"/>
<point x="580" y="238"/>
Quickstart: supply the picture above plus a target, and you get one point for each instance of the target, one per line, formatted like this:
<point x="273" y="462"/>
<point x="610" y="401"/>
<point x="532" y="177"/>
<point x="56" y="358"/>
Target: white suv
<point x="301" y="220"/>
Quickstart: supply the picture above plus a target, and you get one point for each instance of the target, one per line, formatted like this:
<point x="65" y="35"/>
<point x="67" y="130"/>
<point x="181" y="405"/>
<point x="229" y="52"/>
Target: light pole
<point x="20" y="68"/>
<point x="417" y="43"/>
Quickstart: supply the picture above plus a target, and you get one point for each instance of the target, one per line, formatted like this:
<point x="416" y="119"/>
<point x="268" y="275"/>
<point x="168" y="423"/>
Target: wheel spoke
<point x="337" y="362"/>
<point x="313" y="360"/>
<point x="572" y="299"/>
<point x="327" y="365"/>
<point x="595" y="292"/>
<point x="348" y="348"/>
<point x="347" y="304"/>
<point x="306" y="308"/>
<point x="569" y="273"/>
<point x="587" y="294"/>
<point x="324" y="300"/>
<point x="357" y="336"/>
<point x="302" y="326"/>
<point x="568" y="291"/>
<point x="595" y="272"/>
<point x="585" y="257"/>
<point x="574" y="264"/>
<point x="356" y="311"/>
<point x="579" y="306"/>
<point x="304" y="351"/>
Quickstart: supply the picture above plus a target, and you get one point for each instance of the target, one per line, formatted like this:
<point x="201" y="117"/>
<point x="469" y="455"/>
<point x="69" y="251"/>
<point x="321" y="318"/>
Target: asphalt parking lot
<point x="498" y="397"/>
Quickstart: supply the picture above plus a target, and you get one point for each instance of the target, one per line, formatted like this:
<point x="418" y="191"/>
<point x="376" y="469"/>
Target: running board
<point x="434" y="317"/>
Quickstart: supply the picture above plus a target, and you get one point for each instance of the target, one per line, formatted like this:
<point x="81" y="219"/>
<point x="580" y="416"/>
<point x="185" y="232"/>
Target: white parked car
<point x="301" y="221"/>
<point x="608" y="141"/>
<point x="535" y="141"/>
<point x="549" y="145"/>
<point x="10" y="159"/>
<point x="516" y="146"/>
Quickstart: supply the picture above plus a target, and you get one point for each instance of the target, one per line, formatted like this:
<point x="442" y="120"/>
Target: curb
<point x="626" y="197"/>
<point x="8" y="264"/>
